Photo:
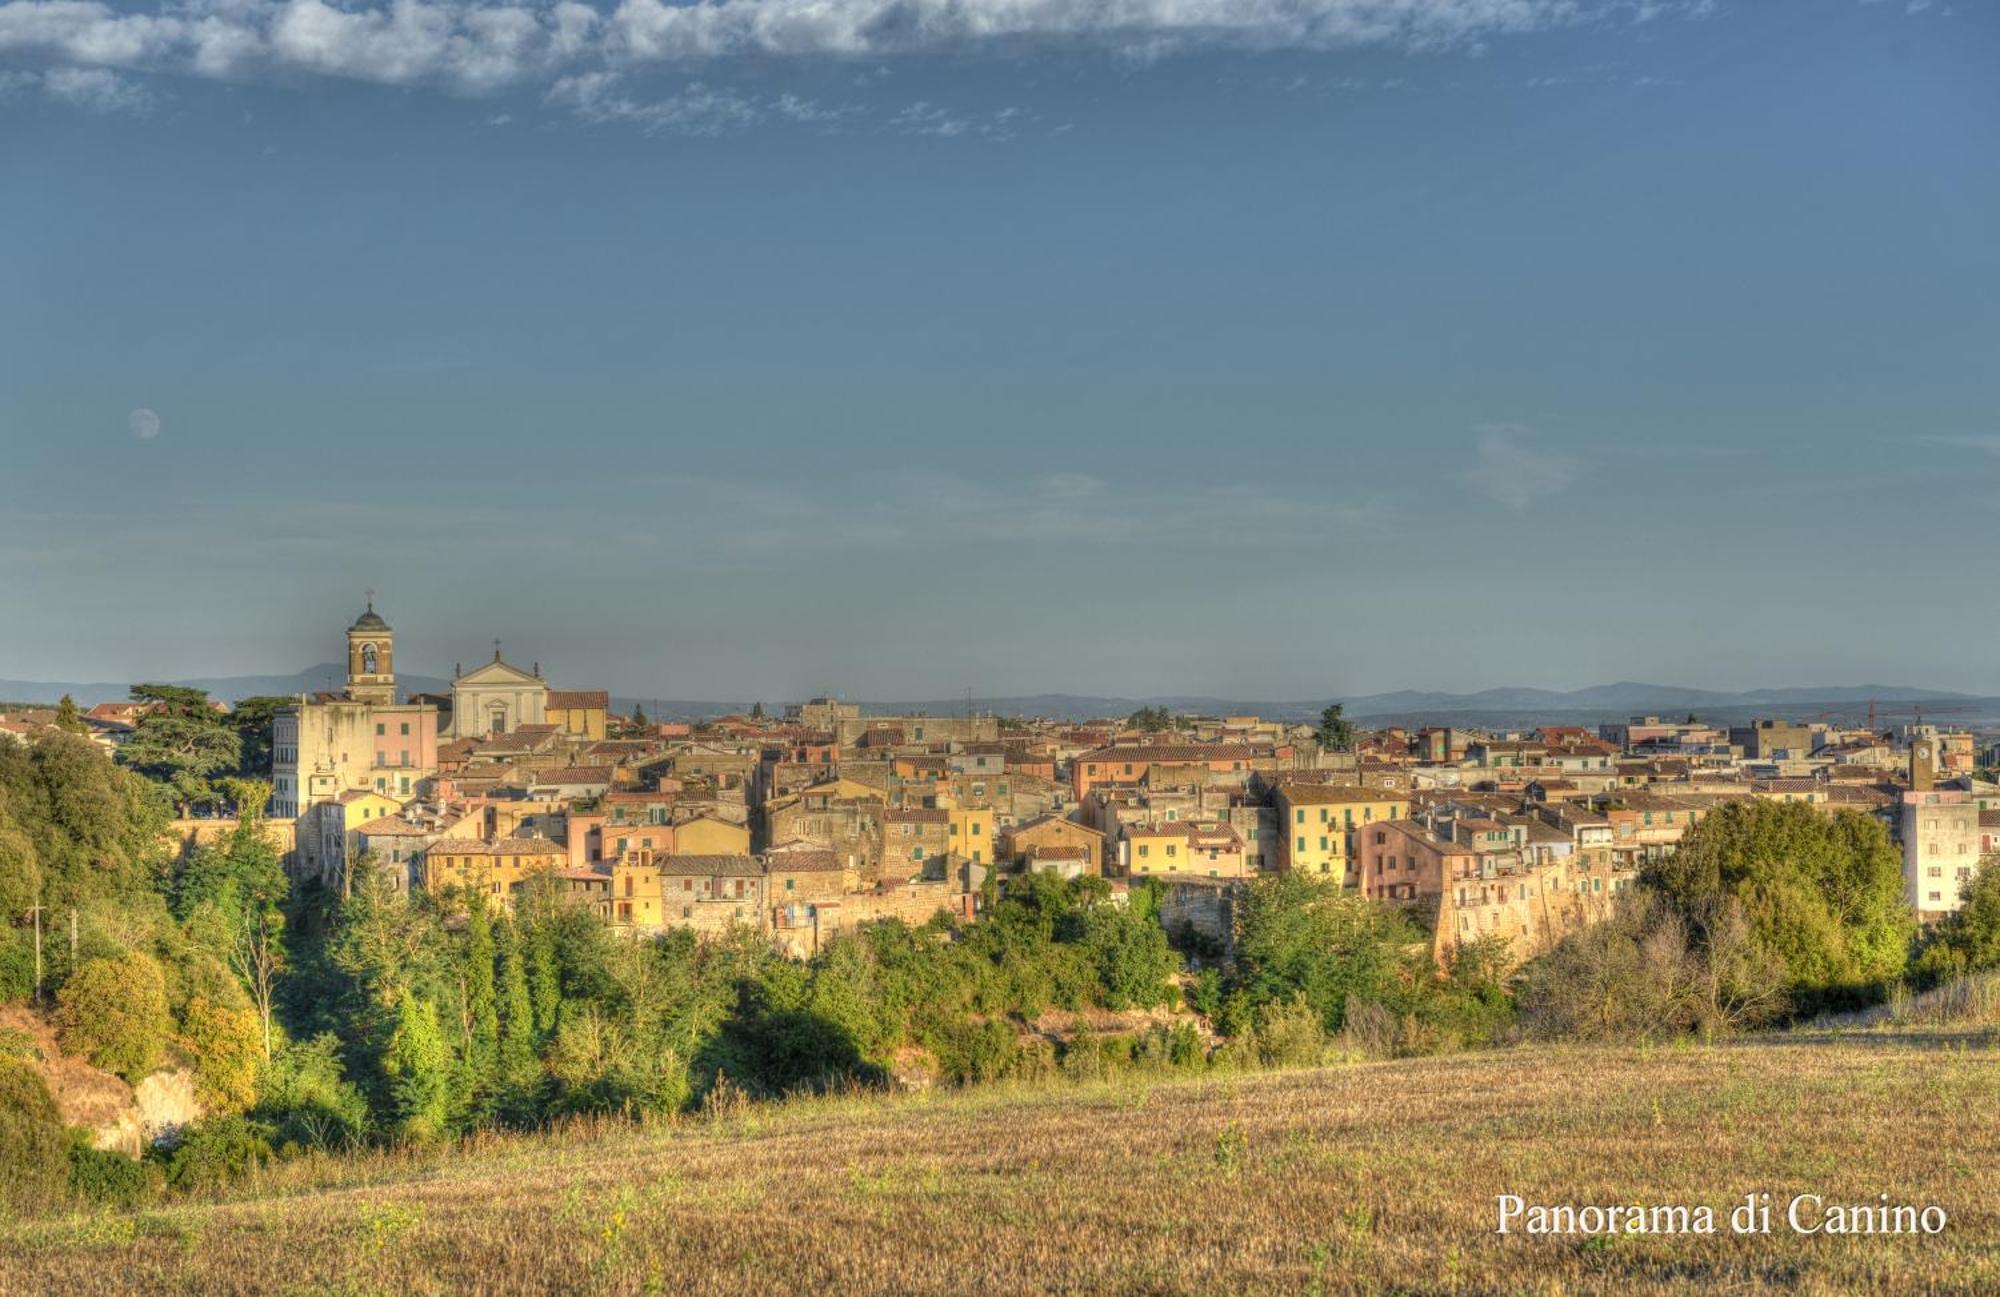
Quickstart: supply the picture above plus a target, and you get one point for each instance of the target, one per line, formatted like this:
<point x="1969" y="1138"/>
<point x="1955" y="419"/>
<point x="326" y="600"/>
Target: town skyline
<point x="1301" y="362"/>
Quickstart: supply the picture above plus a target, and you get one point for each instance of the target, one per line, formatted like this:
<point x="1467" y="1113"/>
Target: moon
<point x="145" y="424"/>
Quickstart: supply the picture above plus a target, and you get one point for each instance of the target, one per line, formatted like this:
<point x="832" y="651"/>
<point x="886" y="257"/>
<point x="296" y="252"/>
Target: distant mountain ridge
<point x="1498" y="706"/>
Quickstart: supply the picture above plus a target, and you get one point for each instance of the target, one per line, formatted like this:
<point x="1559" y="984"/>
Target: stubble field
<point x="1364" y="1178"/>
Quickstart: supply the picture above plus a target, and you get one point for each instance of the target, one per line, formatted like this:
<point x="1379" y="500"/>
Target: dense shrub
<point x="1822" y="895"/>
<point x="34" y="1148"/>
<point x="104" y="1178"/>
<point x="114" y="1012"/>
<point x="305" y="1100"/>
<point x="215" y="1151"/>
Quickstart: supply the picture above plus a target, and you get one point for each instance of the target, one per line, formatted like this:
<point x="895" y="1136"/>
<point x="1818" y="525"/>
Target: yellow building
<point x="496" y="867"/>
<point x="972" y="834"/>
<point x="707" y="836"/>
<point x="1184" y="847"/>
<point x="1317" y="823"/>
<point x="635" y="893"/>
<point x="580" y="713"/>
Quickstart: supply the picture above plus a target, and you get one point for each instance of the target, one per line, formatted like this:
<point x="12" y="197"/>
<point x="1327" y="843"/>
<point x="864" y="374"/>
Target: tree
<point x="1335" y="732"/>
<point x="516" y="1064"/>
<point x="68" y="718"/>
<point x="1303" y="937"/>
<point x="1151" y="720"/>
<point x="1823" y="895"/>
<point x="251" y="720"/>
<point x="482" y="1011"/>
<point x="1968" y="939"/>
<point x="417" y="1064"/>
<point x="181" y="744"/>
<point x="756" y="711"/>
<point x="224" y="1045"/>
<point x="114" y="1012"/>
<point x="639" y="720"/>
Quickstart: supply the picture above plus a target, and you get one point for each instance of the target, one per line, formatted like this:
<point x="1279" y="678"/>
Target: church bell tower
<point x="371" y="658"/>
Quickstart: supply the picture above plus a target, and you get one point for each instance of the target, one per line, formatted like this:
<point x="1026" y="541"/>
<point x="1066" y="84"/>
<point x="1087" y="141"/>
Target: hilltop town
<point x="820" y="819"/>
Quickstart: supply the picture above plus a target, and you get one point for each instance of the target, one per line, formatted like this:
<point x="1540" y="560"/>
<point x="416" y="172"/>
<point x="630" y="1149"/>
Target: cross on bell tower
<point x="371" y="658"/>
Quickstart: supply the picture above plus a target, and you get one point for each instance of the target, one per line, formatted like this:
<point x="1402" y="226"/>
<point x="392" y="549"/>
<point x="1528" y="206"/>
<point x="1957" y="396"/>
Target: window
<point x="1144" y="850"/>
<point x="1322" y="844"/>
<point x="1302" y="846"/>
<point x="1302" y="820"/>
<point x="380" y="728"/>
<point x="789" y="882"/>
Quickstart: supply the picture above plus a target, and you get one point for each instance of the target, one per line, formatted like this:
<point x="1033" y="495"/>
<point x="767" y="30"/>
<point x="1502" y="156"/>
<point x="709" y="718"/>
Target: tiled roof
<point x="578" y="699"/>
<point x="1177" y="752"/>
<point x="1338" y="794"/>
<point x="717" y="865"/>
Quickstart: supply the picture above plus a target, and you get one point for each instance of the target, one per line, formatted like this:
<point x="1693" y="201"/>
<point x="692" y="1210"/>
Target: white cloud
<point x="98" y="90"/>
<point x="474" y="48"/>
<point x="144" y="423"/>
<point x="1511" y="471"/>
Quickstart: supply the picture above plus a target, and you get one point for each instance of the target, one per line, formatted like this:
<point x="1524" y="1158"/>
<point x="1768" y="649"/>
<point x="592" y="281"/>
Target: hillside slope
<point x="1365" y="1178"/>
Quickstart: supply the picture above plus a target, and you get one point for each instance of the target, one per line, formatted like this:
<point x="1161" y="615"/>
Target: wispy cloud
<point x="1512" y="471"/>
<point x="95" y="90"/>
<point x="474" y="48"/>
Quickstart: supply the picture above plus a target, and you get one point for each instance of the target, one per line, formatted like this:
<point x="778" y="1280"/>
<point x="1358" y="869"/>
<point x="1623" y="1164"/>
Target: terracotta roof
<point x="802" y="860"/>
<point x="502" y="847"/>
<point x="574" y="775"/>
<point x="718" y="865"/>
<point x="396" y="826"/>
<point x="1338" y="794"/>
<point x="578" y="699"/>
<point x="1177" y="752"/>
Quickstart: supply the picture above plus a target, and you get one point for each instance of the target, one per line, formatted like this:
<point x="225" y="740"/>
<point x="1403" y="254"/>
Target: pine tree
<point x="482" y="1046"/>
<point x="518" y="1069"/>
<point x="639" y="716"/>
<point x="544" y="981"/>
<point x="68" y="719"/>
<point x="418" y="1066"/>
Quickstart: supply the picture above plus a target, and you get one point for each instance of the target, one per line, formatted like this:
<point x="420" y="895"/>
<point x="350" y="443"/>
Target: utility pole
<point x="36" y="910"/>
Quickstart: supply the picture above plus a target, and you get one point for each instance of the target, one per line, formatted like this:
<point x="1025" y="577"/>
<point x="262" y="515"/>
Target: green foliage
<point x="418" y="1065"/>
<point x="215" y="1151"/>
<point x="226" y="1045"/>
<point x="35" y="1170"/>
<point x="103" y="1178"/>
<point x="183" y="744"/>
<point x="114" y="1012"/>
<point x="1151" y="720"/>
<point x="1335" y="732"/>
<point x="1300" y="937"/>
<point x="250" y="720"/>
<point x="305" y="1100"/>
<point x="1968" y="939"/>
<point x="1821" y="894"/>
<point x="69" y="718"/>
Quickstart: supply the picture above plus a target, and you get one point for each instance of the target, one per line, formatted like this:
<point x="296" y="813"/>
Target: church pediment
<point x="497" y="672"/>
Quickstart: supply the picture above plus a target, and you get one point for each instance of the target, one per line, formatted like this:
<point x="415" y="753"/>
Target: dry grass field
<point x="1365" y="1178"/>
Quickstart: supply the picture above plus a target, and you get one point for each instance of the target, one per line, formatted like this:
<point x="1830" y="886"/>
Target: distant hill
<point x="1500" y="708"/>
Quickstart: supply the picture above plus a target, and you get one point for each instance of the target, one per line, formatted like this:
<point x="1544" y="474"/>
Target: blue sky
<point x="765" y="348"/>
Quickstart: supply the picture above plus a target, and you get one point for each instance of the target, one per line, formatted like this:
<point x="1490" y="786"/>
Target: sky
<point x="895" y="348"/>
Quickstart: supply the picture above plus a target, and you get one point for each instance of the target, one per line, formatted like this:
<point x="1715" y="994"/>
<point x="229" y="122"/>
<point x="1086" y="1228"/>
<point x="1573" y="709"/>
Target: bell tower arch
<point x="371" y="658"/>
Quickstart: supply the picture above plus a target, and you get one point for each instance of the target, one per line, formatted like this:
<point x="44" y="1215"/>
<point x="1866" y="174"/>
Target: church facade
<point x="497" y="698"/>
